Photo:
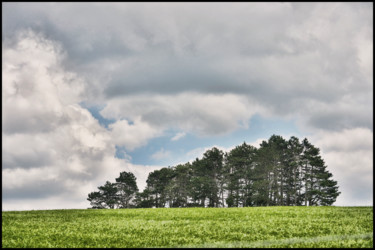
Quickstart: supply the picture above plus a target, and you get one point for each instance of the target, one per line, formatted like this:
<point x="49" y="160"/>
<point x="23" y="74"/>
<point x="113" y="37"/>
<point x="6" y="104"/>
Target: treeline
<point x="278" y="173"/>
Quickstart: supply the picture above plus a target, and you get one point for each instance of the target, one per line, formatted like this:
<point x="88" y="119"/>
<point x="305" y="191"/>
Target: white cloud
<point x="161" y="154"/>
<point x="33" y="78"/>
<point x="257" y="142"/>
<point x="41" y="188"/>
<point x="178" y="136"/>
<point x="51" y="146"/>
<point x="346" y="141"/>
<point x="349" y="157"/>
<point x="199" y="152"/>
<point x="203" y="114"/>
<point x="133" y="135"/>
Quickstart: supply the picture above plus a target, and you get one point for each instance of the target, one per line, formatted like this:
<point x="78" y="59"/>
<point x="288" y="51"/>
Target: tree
<point x="109" y="192"/>
<point x="126" y="186"/>
<point x="157" y="182"/>
<point x="178" y="188"/>
<point x="96" y="200"/>
<point x="269" y="178"/>
<point x="118" y="194"/>
<point x="279" y="173"/>
<point x="144" y="199"/>
<point x="293" y="174"/>
<point x="105" y="197"/>
<point x="239" y="167"/>
<point x="261" y="177"/>
<point x="319" y="188"/>
<point x="199" y="183"/>
<point x="213" y="164"/>
<point x="328" y="189"/>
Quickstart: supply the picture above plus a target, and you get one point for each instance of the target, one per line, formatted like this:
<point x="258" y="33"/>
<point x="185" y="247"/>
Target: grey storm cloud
<point x="279" y="54"/>
<point x="34" y="190"/>
<point x="170" y="78"/>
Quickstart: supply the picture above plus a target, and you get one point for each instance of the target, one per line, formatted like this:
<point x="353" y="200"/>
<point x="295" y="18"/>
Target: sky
<point x="93" y="89"/>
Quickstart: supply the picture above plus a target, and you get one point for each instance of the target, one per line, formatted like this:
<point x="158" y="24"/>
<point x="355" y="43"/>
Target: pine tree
<point x="157" y="182"/>
<point x="144" y="199"/>
<point x="126" y="186"/>
<point x="213" y="163"/>
<point x="279" y="173"/>
<point x="319" y="188"/>
<point x="262" y="176"/>
<point x="293" y="173"/>
<point x="105" y="197"/>
<point x="239" y="166"/>
<point x="96" y="200"/>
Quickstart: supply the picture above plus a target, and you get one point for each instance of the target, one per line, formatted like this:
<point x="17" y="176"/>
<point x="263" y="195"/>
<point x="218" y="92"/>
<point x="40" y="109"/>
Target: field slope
<point x="190" y="227"/>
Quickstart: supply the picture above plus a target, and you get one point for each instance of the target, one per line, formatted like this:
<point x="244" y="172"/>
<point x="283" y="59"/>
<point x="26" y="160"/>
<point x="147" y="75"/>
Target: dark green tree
<point x="319" y="188"/>
<point x="328" y="189"/>
<point x="144" y="199"/>
<point x="293" y="181"/>
<point x="199" y="183"/>
<point x="279" y="173"/>
<point x="261" y="176"/>
<point x="109" y="192"/>
<point x="213" y="168"/>
<point x="157" y="183"/>
<point x="105" y="197"/>
<point x="126" y="185"/>
<point x="269" y="179"/>
<point x="96" y="200"/>
<point x="179" y="185"/>
<point x="239" y="176"/>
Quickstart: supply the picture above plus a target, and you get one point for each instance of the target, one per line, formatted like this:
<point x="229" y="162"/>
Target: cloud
<point x="42" y="80"/>
<point x="199" y="152"/>
<point x="161" y="154"/>
<point x="303" y="56"/>
<point x="354" y="174"/>
<point x="58" y="148"/>
<point x="199" y="113"/>
<point x="257" y="142"/>
<point x="349" y="157"/>
<point x="134" y="135"/>
<point x="347" y="140"/>
<point x="178" y="136"/>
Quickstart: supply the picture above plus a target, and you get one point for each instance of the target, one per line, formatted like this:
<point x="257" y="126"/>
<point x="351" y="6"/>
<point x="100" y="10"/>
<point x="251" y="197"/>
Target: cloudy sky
<point x="93" y="89"/>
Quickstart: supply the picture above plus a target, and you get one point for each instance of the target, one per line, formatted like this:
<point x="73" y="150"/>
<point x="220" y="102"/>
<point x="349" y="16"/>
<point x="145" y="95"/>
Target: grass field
<point x="190" y="227"/>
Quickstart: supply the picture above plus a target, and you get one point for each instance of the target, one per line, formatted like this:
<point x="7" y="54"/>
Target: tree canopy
<point x="278" y="173"/>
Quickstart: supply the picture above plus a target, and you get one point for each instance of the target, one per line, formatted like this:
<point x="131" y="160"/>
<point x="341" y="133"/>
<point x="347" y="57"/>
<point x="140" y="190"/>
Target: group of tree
<point x="115" y="195"/>
<point x="278" y="173"/>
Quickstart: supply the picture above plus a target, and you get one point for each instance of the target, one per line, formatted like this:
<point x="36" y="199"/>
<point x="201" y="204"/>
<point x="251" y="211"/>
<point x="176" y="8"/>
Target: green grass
<point x="190" y="227"/>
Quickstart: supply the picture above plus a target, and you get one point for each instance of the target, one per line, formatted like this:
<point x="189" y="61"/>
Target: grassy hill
<point x="190" y="227"/>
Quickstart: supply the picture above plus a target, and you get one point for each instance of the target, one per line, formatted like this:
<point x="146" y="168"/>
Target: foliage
<point x="293" y="226"/>
<point x="127" y="188"/>
<point x="120" y="194"/>
<point x="278" y="173"/>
